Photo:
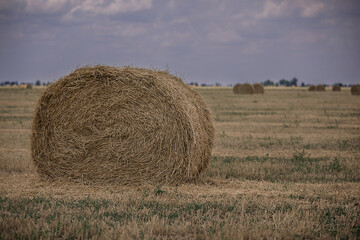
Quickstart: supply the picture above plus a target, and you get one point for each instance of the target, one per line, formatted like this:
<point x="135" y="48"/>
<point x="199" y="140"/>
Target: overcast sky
<point x="204" y="41"/>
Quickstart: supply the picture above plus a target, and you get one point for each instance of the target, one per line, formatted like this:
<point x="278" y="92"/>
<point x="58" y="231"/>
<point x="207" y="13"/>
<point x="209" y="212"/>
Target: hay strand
<point x="121" y="125"/>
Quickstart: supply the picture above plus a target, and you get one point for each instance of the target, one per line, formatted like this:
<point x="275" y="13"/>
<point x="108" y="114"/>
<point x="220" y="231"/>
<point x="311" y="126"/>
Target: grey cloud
<point x="96" y="7"/>
<point x="208" y="41"/>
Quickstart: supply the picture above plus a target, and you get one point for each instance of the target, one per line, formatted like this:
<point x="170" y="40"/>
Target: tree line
<point x="16" y="83"/>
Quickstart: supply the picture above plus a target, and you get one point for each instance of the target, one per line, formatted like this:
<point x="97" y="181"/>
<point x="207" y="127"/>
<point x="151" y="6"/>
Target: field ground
<point x="285" y="164"/>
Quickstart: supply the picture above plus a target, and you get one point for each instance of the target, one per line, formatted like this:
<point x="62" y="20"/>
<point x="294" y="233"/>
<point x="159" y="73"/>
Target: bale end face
<point x="236" y="88"/>
<point x="355" y="90"/>
<point x="312" y="88"/>
<point x="246" y="88"/>
<point x="121" y="125"/>
<point x="258" y="88"/>
<point x="320" y="88"/>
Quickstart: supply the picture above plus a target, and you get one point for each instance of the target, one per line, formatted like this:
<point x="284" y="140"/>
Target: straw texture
<point x="236" y="88"/>
<point x="258" y="88"/>
<point x="121" y="125"/>
<point x="320" y="88"/>
<point x="245" y="88"/>
<point x="312" y="88"/>
<point x="355" y="90"/>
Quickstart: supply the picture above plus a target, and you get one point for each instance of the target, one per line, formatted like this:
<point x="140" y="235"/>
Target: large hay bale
<point x="236" y="88"/>
<point x="121" y="125"/>
<point x="312" y="88"/>
<point x="355" y="90"/>
<point x="258" y="88"/>
<point x="246" y="88"/>
<point x="336" y="88"/>
<point x="320" y="88"/>
<point x="29" y="86"/>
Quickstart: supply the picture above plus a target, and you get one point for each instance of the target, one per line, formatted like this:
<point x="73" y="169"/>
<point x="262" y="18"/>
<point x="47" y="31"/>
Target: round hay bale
<point x="246" y="88"/>
<point x="320" y="88"/>
<point x="121" y="125"/>
<point x="29" y="86"/>
<point x="258" y="88"/>
<point x="312" y="88"/>
<point x="355" y="90"/>
<point x="336" y="88"/>
<point x="236" y="88"/>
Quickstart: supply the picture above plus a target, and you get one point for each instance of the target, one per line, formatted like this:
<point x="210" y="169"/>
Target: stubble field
<point x="285" y="164"/>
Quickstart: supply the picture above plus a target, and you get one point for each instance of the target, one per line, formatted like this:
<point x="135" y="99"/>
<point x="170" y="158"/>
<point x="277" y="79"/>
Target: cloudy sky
<point x="204" y="41"/>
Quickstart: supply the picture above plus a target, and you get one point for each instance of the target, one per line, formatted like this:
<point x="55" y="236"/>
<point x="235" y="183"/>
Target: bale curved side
<point x="320" y="88"/>
<point x="312" y="88"/>
<point x="336" y="88"/>
<point x="121" y="125"/>
<point x="236" y="88"/>
<point x="246" y="88"/>
<point x="258" y="88"/>
<point x="355" y="90"/>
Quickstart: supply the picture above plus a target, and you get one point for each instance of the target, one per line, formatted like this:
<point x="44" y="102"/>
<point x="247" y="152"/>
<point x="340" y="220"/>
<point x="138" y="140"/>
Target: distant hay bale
<point x="355" y="90"/>
<point x="320" y="88"/>
<point x="246" y="88"/>
<point x="29" y="86"/>
<point x="312" y="88"/>
<point x="336" y="88"/>
<point x="121" y="125"/>
<point x="258" y="88"/>
<point x="236" y="88"/>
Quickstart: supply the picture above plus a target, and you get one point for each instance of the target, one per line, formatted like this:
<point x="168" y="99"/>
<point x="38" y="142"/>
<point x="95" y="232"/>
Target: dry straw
<point x="355" y="90"/>
<point x="121" y="125"/>
<point x="236" y="88"/>
<point x="336" y="88"/>
<point x="29" y="86"/>
<point x="312" y="88"/>
<point x="320" y="88"/>
<point x="245" y="88"/>
<point x="258" y="88"/>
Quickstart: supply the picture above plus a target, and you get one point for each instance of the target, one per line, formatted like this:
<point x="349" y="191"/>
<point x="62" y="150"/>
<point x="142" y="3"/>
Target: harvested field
<point x="285" y="165"/>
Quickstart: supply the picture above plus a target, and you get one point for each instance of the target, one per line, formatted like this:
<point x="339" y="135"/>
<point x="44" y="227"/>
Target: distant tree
<point x="302" y="84"/>
<point x="284" y="82"/>
<point x="268" y="83"/>
<point x="37" y="83"/>
<point x="293" y="82"/>
<point x="340" y="84"/>
<point x="218" y="84"/>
